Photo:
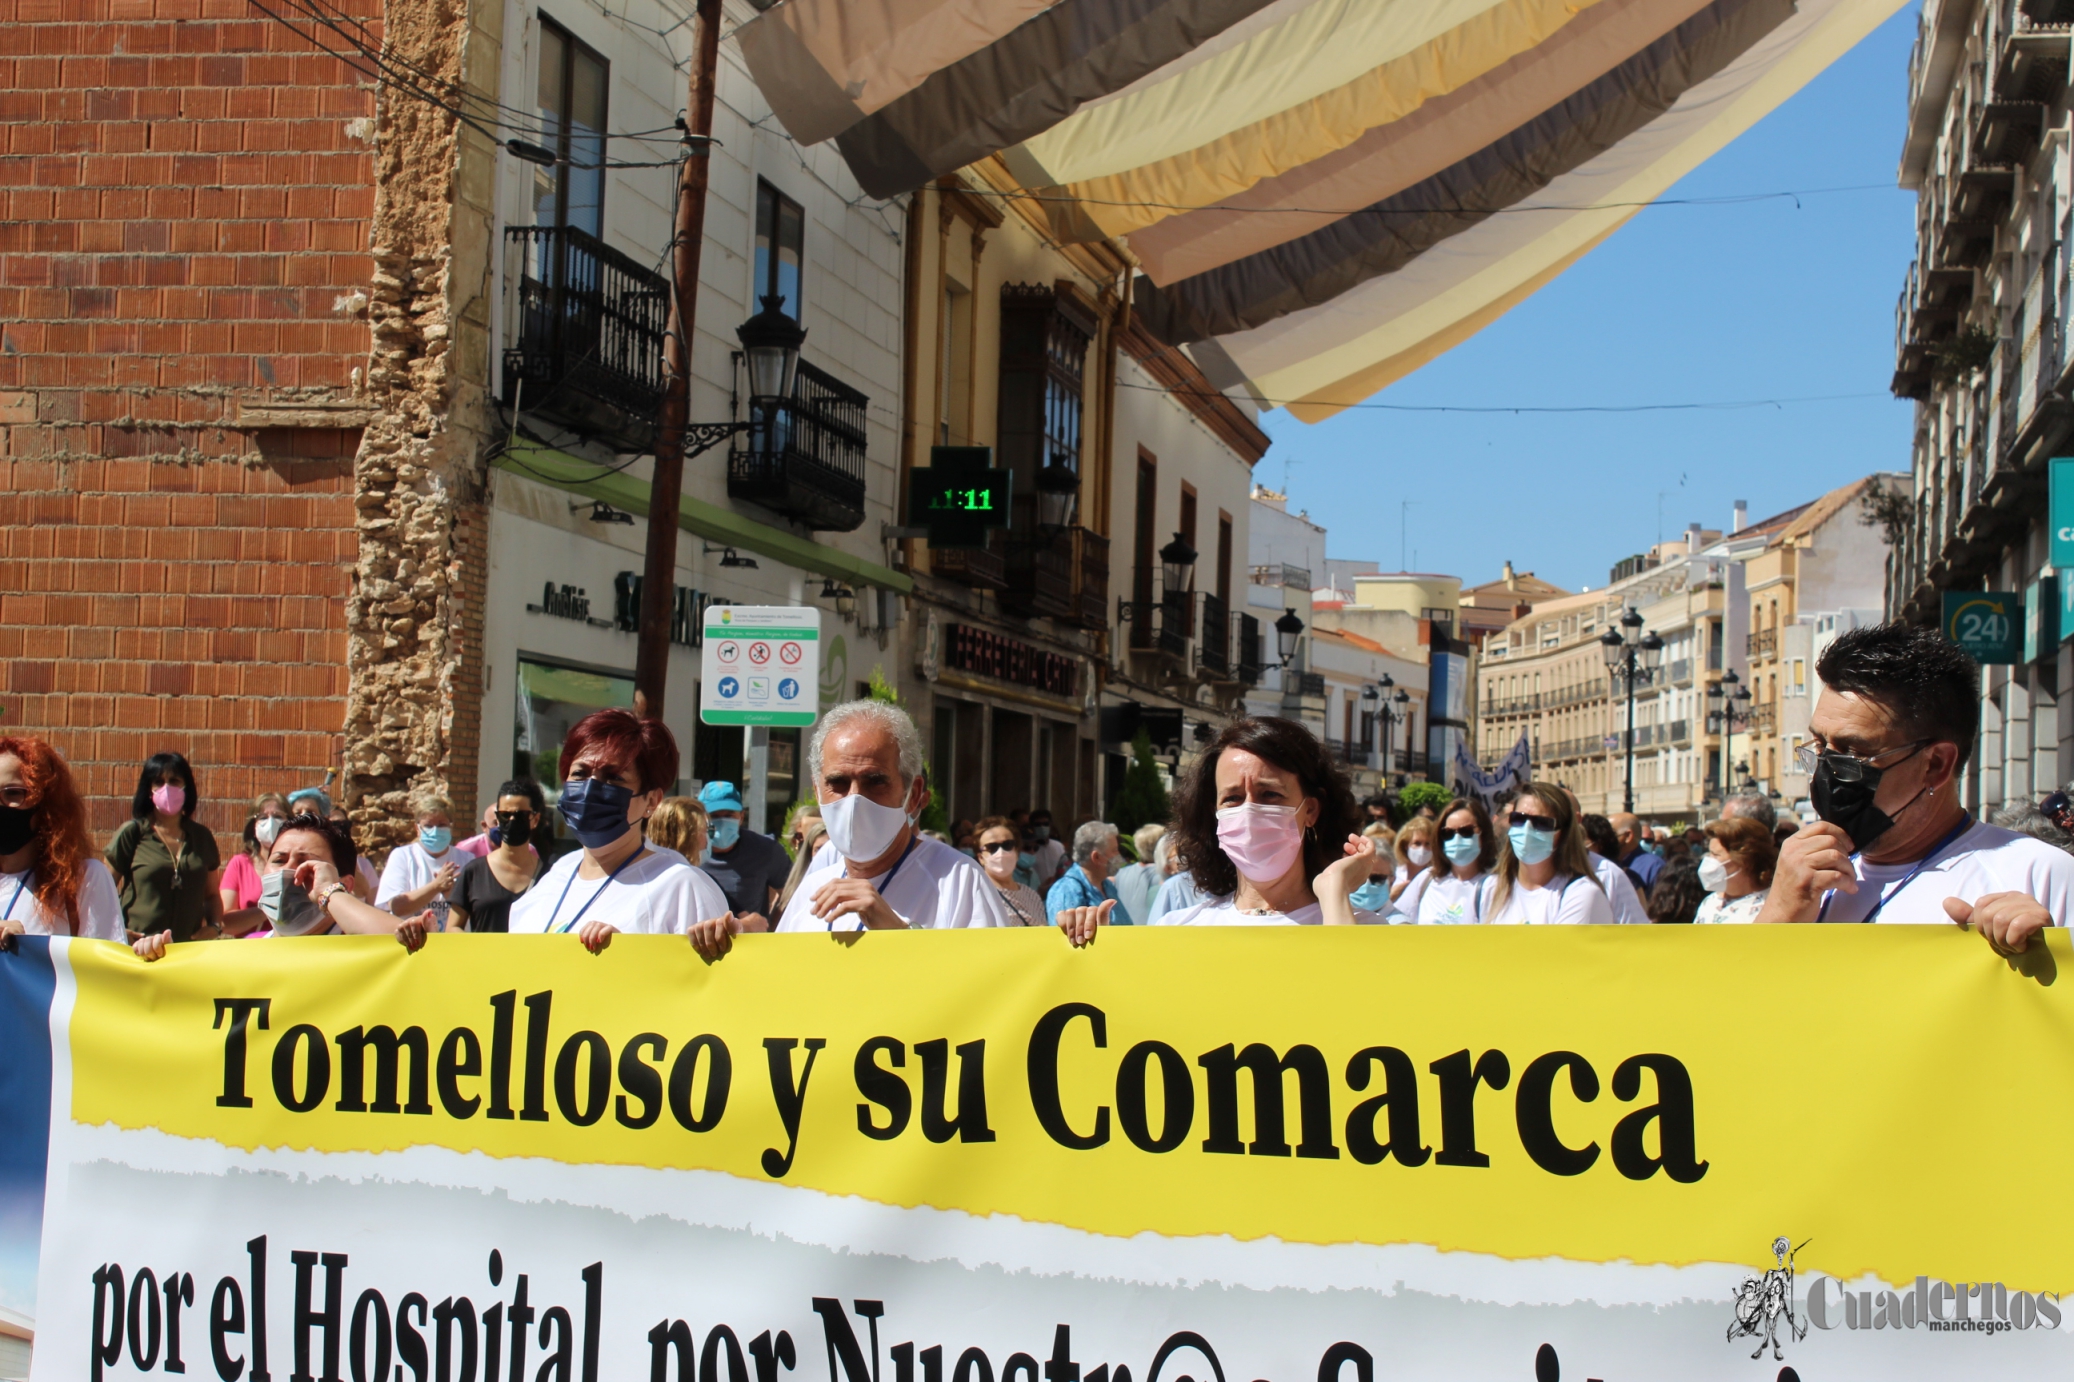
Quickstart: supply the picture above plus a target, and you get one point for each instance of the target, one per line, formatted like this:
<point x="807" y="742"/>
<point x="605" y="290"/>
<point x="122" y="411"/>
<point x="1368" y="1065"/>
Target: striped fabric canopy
<point x="1323" y="195"/>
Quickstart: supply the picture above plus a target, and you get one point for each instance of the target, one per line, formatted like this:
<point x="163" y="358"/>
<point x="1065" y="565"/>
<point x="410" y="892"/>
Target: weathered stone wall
<point x="414" y="617"/>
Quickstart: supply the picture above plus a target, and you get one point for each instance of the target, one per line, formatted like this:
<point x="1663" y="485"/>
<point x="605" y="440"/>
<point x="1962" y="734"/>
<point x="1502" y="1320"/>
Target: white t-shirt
<point x="1620" y="890"/>
<point x="411" y="868"/>
<point x="1566" y="901"/>
<point x="1719" y="910"/>
<point x="100" y="907"/>
<point x="1447" y="900"/>
<point x="1985" y="859"/>
<point x="1224" y="911"/>
<point x="659" y="894"/>
<point x="933" y="888"/>
<point x="1051" y="861"/>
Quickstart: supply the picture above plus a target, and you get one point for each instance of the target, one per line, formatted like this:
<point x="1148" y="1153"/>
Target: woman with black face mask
<point x="50" y="882"/>
<point x="484" y="892"/>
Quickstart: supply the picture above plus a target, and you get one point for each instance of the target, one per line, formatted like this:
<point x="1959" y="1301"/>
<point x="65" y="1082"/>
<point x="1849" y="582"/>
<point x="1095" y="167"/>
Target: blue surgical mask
<point x="596" y="810"/>
<point x="1371" y="896"/>
<point x="1040" y="833"/>
<point x="434" y="839"/>
<point x="1530" y="844"/>
<point x="725" y="833"/>
<point x="1461" y="851"/>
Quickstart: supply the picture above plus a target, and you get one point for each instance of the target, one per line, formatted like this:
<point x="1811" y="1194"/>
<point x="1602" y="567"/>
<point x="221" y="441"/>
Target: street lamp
<point x="1176" y="560"/>
<point x="1728" y="707"/>
<point x="845" y="599"/>
<point x="1633" y="658"/>
<point x="770" y="344"/>
<point x="1287" y="630"/>
<point x="1058" y="495"/>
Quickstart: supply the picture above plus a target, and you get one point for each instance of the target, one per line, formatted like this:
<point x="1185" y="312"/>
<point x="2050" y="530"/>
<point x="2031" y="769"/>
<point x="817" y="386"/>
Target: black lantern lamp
<point x="1287" y="630"/>
<point x="844" y="598"/>
<point x="770" y="343"/>
<point x="1058" y="496"/>
<point x="1652" y="650"/>
<point x="1176" y="560"/>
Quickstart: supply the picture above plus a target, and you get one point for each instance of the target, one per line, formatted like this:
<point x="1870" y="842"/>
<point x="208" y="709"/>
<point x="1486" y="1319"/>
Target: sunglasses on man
<point x="2059" y="809"/>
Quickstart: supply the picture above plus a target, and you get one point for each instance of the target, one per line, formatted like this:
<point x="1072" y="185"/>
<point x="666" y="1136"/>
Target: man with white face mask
<point x="878" y="872"/>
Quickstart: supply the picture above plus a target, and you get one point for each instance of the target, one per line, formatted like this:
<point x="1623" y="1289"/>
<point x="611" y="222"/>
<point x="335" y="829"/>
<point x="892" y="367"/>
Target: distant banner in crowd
<point x="1359" y="1154"/>
<point x="1509" y="776"/>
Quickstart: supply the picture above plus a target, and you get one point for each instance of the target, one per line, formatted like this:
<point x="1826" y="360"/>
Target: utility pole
<point x="659" y="570"/>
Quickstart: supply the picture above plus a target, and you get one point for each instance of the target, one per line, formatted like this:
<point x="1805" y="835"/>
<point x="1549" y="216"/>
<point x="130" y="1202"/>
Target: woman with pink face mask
<point x="1271" y="833"/>
<point x="164" y="859"/>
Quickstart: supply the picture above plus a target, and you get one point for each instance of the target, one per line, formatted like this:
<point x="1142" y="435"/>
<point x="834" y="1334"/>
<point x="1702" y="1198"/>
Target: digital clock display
<point x="965" y="498"/>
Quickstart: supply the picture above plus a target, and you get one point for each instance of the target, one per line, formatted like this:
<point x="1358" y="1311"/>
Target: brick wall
<point x="185" y="196"/>
<point x="194" y="608"/>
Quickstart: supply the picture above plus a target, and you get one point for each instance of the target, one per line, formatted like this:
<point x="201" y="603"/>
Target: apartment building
<point x="1980" y="342"/>
<point x="1107" y="603"/>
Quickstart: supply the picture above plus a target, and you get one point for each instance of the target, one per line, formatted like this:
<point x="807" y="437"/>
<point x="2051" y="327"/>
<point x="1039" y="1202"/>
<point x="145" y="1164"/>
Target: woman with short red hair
<point x="52" y="882"/>
<point x="616" y="768"/>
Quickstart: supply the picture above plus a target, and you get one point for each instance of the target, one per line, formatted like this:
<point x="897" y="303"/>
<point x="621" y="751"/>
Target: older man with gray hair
<point x="1754" y="805"/>
<point x="1085" y="895"/>
<point x="878" y="872"/>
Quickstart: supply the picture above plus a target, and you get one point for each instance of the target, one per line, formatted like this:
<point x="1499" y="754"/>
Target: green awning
<point x="578" y="476"/>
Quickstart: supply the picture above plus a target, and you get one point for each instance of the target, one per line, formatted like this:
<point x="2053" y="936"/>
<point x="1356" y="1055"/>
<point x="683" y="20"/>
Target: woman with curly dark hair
<point x="1676" y="898"/>
<point x="50" y="883"/>
<point x="1270" y="831"/>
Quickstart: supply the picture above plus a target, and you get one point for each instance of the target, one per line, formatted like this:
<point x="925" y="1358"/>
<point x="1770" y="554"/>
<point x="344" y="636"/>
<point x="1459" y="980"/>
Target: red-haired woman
<point x="51" y="883"/>
<point x="616" y="768"/>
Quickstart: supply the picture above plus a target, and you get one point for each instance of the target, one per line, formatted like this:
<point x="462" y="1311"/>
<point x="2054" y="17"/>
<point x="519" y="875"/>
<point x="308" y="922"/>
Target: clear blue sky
<point x="1686" y="304"/>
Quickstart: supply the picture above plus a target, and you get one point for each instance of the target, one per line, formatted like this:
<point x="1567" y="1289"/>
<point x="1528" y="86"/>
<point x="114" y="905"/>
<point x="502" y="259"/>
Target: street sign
<point x="1987" y="624"/>
<point x="2062" y="507"/>
<point x="760" y="665"/>
<point x="958" y="496"/>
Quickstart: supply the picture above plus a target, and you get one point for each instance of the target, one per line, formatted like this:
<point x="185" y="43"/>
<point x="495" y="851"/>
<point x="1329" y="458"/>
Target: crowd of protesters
<point x="1264" y="831"/>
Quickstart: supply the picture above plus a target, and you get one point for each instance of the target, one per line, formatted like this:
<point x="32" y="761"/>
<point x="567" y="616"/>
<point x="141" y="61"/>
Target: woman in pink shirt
<point x="240" y="881"/>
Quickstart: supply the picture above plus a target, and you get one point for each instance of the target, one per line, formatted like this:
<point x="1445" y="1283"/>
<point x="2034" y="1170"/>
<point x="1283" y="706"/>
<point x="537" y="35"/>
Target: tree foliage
<point x="1142" y="800"/>
<point x="1414" y="795"/>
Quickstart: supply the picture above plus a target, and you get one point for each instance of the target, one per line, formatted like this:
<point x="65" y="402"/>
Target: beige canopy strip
<point x="1377" y="101"/>
<point x="1390" y="158"/>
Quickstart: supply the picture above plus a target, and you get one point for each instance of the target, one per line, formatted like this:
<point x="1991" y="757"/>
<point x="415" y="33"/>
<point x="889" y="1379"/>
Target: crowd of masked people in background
<point x="1265" y="831"/>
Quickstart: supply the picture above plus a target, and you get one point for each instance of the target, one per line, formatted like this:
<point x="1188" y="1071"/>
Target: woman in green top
<point x="164" y="857"/>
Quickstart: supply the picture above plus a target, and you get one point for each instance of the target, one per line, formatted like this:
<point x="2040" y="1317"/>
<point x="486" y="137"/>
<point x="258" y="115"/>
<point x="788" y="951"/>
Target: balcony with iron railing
<point x="1248" y="658"/>
<point x="1039" y="566"/>
<point x="804" y="458"/>
<point x="1763" y="643"/>
<point x="1213" y="640"/>
<point x="1350" y="752"/>
<point x="1304" y="685"/>
<point x="1090" y="558"/>
<point x="1161" y="622"/>
<point x="584" y="331"/>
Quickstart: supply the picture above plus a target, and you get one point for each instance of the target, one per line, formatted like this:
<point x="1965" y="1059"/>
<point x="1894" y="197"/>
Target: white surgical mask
<point x="1713" y="874"/>
<point x="1418" y="856"/>
<point x="267" y="829"/>
<point x="860" y="828"/>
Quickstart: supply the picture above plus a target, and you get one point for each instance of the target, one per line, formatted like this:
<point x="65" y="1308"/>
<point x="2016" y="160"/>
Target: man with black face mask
<point x="1894" y="727"/>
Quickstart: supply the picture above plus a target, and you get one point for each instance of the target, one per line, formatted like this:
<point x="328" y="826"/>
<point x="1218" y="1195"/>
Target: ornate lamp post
<point x="1633" y="658"/>
<point x="1728" y="709"/>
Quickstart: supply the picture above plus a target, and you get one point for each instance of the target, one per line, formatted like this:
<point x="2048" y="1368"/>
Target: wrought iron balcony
<point x="981" y="568"/>
<point x="1213" y="642"/>
<point x="1162" y="625"/>
<point x="1091" y="575"/>
<point x="805" y="457"/>
<point x="1763" y="643"/>
<point x="1248" y="657"/>
<point x="1039" y="566"/>
<point x="584" y="335"/>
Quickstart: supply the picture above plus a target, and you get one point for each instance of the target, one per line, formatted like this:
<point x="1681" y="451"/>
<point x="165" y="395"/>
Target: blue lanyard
<point x="892" y="873"/>
<point x="592" y="898"/>
<point x="1965" y="824"/>
<point x="20" y="884"/>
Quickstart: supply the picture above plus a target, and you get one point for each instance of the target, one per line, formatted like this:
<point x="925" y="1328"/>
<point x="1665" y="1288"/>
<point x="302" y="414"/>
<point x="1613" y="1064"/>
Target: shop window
<point x="552" y="697"/>
<point x="780" y="244"/>
<point x="573" y="82"/>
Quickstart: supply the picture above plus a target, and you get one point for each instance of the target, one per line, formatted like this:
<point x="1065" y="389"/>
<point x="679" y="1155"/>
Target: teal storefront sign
<point x="2062" y="506"/>
<point x="1987" y="624"/>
